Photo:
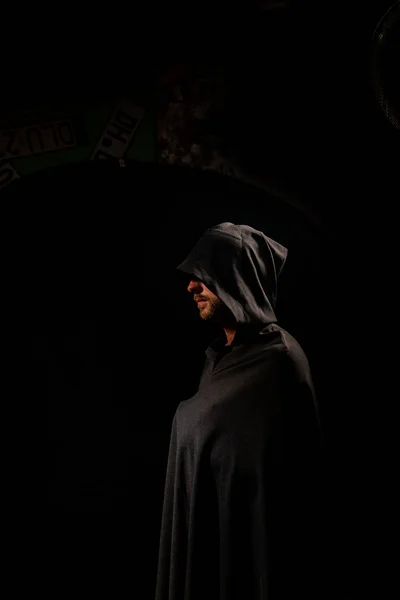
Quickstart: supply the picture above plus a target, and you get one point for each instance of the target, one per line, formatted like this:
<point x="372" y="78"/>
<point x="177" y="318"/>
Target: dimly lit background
<point x="280" y="115"/>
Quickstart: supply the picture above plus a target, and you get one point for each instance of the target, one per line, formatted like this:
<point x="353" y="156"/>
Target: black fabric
<point x="242" y="491"/>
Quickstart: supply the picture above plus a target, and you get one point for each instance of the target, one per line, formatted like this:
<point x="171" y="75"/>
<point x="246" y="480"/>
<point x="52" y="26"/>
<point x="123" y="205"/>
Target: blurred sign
<point x="7" y="174"/>
<point x="119" y="132"/>
<point x="36" y="139"/>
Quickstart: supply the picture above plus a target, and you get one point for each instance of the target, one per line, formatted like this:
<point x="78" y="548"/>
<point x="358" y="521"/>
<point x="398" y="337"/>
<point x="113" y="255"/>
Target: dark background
<point x="115" y="341"/>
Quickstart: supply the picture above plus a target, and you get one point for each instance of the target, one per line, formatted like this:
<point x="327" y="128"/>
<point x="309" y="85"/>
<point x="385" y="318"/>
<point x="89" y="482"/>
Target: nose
<point x="195" y="287"/>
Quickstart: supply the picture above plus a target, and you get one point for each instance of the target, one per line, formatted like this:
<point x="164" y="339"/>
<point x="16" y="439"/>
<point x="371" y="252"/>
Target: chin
<point x="205" y="315"/>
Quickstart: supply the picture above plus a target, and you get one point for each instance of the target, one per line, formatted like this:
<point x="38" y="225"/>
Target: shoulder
<point x="275" y="336"/>
<point x="286" y="348"/>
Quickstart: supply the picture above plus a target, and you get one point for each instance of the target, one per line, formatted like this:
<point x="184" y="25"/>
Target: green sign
<point x="116" y="128"/>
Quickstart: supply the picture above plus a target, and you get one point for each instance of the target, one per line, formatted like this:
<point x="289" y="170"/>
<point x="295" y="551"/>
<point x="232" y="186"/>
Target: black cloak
<point x="241" y="497"/>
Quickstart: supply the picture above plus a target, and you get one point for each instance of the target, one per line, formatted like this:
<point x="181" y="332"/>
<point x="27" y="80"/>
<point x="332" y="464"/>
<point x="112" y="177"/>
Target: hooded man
<point x="241" y="495"/>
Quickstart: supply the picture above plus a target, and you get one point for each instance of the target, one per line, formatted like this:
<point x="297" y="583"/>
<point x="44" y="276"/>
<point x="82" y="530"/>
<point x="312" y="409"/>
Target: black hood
<point x="241" y="266"/>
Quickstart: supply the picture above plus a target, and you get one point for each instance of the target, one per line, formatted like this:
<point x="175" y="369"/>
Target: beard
<point x="215" y="310"/>
<point x="211" y="309"/>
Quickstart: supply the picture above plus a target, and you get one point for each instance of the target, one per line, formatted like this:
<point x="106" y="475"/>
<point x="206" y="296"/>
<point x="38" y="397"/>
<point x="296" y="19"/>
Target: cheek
<point x="216" y="301"/>
<point x="213" y="305"/>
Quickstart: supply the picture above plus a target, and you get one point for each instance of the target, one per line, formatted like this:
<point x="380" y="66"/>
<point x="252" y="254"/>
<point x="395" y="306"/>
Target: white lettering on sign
<point x="36" y="139"/>
<point x="7" y="174"/>
<point x="119" y="132"/>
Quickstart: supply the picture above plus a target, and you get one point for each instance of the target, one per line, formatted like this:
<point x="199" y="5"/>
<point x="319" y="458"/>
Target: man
<point x="241" y="494"/>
